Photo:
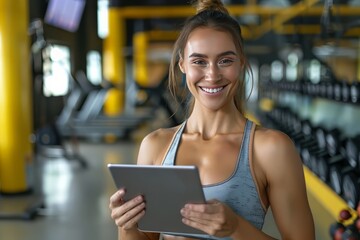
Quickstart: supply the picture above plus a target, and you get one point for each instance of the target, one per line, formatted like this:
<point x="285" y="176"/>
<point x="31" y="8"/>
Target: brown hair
<point x="210" y="14"/>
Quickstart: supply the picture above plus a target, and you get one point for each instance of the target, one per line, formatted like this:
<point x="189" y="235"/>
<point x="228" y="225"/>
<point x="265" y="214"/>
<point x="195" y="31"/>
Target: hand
<point x="213" y="218"/>
<point x="126" y="213"/>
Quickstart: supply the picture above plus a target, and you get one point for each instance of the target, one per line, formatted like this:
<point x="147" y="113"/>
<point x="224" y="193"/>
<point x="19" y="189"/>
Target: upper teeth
<point x="212" y="90"/>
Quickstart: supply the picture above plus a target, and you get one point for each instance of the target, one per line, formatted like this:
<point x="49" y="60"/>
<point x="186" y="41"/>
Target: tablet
<point x="166" y="190"/>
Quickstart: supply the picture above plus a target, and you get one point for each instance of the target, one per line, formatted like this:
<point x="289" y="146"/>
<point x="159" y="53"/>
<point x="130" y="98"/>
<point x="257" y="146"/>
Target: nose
<point x="213" y="73"/>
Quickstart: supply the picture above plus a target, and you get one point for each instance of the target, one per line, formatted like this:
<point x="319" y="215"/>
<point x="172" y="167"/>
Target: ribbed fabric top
<point x="238" y="191"/>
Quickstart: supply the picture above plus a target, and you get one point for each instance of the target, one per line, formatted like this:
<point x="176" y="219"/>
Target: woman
<point x="244" y="168"/>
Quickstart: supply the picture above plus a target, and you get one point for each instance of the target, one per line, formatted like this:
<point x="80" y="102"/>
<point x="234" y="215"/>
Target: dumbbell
<point x="308" y="140"/>
<point x="335" y="146"/>
<point x="351" y="188"/>
<point x="330" y="166"/>
<point x="355" y="92"/>
<point x="352" y="147"/>
<point x="329" y="90"/>
<point x="311" y="89"/>
<point x="345" y="92"/>
<point x="308" y="148"/>
<point x="308" y="88"/>
<point x="294" y="128"/>
<point x="337" y="91"/>
<point x="319" y="155"/>
<point x="323" y="89"/>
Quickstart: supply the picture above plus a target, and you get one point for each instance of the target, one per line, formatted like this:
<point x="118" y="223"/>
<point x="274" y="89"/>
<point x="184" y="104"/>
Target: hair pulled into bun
<point x="214" y="5"/>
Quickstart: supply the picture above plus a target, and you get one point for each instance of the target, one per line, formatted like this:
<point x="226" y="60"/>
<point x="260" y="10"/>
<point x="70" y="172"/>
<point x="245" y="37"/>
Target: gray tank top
<point x="238" y="191"/>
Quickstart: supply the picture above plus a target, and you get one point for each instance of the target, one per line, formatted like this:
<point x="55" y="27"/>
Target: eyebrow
<point x="220" y="55"/>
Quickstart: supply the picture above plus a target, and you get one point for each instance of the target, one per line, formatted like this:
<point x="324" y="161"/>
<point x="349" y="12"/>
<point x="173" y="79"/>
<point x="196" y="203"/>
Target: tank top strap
<point x="244" y="151"/>
<point x="171" y="154"/>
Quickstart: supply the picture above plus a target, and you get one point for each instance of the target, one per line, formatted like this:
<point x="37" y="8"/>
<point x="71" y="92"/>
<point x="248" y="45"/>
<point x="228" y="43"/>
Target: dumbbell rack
<point x="318" y="183"/>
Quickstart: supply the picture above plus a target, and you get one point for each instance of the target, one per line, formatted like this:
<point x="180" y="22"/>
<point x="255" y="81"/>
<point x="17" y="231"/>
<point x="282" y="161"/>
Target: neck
<point x="209" y="123"/>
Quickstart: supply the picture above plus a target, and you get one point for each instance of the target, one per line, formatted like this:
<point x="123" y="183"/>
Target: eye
<point x="199" y="62"/>
<point x="226" y="61"/>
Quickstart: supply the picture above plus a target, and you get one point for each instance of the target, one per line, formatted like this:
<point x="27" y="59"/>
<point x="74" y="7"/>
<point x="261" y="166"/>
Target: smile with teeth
<point x="212" y="90"/>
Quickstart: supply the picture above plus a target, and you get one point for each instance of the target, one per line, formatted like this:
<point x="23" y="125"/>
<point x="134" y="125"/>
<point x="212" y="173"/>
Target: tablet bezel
<point x="166" y="190"/>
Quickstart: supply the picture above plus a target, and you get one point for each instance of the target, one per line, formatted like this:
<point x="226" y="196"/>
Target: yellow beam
<point x="160" y="35"/>
<point x="15" y="97"/>
<point x="338" y="10"/>
<point x="285" y="15"/>
<point x="310" y="29"/>
<point x="276" y="16"/>
<point x="141" y="12"/>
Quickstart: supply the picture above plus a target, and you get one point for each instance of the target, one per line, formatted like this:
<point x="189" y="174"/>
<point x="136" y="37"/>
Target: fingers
<point x="116" y="198"/>
<point x="213" y="218"/>
<point x="130" y="217"/>
<point x="126" y="214"/>
<point x="130" y="208"/>
<point x="203" y="221"/>
<point x="205" y="211"/>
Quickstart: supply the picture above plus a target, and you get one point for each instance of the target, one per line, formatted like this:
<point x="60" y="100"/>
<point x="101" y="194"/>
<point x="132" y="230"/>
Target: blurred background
<point x="82" y="82"/>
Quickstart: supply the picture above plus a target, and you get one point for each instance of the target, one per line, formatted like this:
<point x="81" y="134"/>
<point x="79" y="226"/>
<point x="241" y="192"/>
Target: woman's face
<point x="212" y="66"/>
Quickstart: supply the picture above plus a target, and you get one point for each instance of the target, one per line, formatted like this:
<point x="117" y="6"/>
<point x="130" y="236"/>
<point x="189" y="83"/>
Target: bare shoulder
<point x="154" y="146"/>
<point x="272" y="140"/>
<point x="275" y="151"/>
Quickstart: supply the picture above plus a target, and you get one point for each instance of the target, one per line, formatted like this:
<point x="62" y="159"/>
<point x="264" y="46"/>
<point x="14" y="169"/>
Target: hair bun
<point x="215" y="5"/>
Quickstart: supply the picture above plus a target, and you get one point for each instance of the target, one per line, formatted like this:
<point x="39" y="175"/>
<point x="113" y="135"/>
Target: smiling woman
<point x="244" y="168"/>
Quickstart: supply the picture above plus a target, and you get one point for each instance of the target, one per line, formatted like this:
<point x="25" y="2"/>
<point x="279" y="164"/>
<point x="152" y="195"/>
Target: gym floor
<point x="76" y="199"/>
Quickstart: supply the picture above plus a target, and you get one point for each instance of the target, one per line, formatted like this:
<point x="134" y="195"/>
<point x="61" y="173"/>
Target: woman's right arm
<point x="127" y="214"/>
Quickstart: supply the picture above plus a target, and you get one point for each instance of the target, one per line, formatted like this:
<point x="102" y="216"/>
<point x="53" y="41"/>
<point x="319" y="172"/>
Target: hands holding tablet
<point x="213" y="217"/>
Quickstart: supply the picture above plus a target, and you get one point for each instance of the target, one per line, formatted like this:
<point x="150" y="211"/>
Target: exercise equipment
<point x="310" y="150"/>
<point x="88" y="121"/>
<point x="345" y="91"/>
<point x="352" y="146"/>
<point x="49" y="144"/>
<point x="337" y="88"/>
<point x="158" y="96"/>
<point x="355" y="92"/>
<point x="345" y="228"/>
<point x="339" y="166"/>
<point x="351" y="188"/>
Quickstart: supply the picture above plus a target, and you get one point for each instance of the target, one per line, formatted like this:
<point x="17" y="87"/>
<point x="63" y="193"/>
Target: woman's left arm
<point x="286" y="191"/>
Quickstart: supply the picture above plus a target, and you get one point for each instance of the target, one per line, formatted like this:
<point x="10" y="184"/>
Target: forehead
<point x="209" y="41"/>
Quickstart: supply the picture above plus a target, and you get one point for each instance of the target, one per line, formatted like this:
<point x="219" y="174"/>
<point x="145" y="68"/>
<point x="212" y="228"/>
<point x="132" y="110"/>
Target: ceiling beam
<point x="283" y="16"/>
<point x="311" y="29"/>
<point x="304" y="8"/>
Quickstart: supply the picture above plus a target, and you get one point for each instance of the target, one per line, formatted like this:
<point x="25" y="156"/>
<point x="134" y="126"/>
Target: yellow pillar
<point x="15" y="97"/>
<point x="140" y="41"/>
<point x="114" y="62"/>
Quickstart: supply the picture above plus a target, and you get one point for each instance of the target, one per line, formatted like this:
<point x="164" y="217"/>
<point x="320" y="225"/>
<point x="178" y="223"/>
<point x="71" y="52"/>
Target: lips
<point x="211" y="90"/>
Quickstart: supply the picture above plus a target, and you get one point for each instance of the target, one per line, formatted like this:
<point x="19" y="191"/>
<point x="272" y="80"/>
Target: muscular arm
<point x="286" y="189"/>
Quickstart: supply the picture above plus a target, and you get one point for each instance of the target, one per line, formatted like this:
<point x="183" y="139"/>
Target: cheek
<point x="194" y="75"/>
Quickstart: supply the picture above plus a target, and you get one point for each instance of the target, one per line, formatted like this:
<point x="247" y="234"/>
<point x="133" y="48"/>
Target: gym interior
<point x="92" y="80"/>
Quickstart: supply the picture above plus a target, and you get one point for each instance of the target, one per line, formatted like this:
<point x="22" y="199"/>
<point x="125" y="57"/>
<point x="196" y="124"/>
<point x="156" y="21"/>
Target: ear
<point x="181" y="65"/>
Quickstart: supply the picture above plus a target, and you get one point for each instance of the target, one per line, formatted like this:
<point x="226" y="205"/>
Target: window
<point x="56" y="68"/>
<point x="102" y="18"/>
<point x="93" y="67"/>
